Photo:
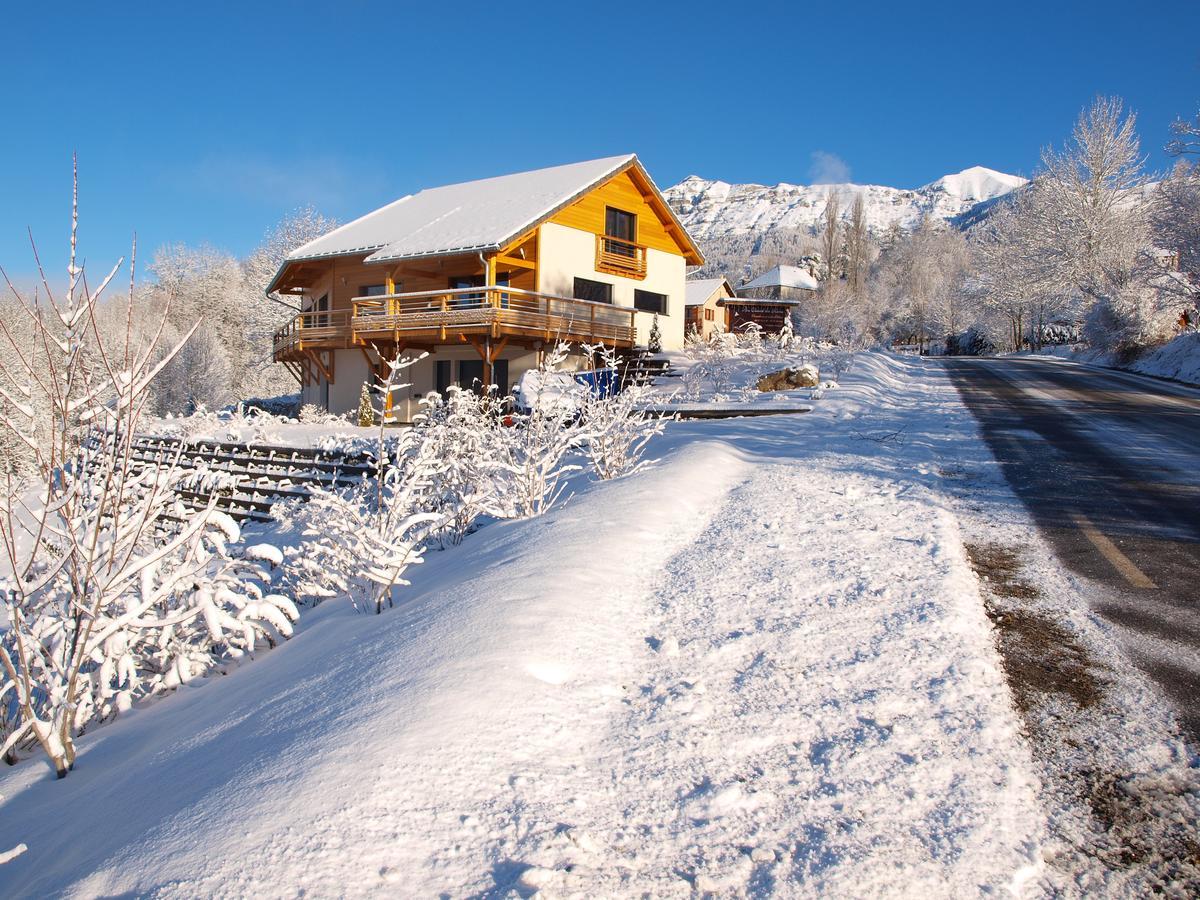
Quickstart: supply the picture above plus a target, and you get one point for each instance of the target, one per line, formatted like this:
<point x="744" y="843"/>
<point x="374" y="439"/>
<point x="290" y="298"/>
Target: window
<point x="623" y="226"/>
<point x="459" y="282"/>
<point x="595" y="291"/>
<point x="470" y="374"/>
<point x="709" y="315"/>
<point x="372" y="290"/>
<point x="648" y="301"/>
<point x="320" y="306"/>
<point x="441" y="374"/>
<point x="620" y="224"/>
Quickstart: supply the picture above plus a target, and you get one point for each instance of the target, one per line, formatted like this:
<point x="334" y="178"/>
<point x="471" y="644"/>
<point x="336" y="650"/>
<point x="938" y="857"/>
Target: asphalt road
<point x="1109" y="466"/>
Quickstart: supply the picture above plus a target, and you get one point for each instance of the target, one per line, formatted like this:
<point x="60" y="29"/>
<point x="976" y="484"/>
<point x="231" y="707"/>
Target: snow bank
<point x="1178" y="359"/>
<point x="759" y="665"/>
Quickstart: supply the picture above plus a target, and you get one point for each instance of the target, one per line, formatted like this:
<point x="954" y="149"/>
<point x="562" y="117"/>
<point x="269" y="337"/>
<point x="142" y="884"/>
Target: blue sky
<point x="206" y="122"/>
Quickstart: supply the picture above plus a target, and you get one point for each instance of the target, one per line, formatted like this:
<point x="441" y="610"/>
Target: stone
<point x="789" y="379"/>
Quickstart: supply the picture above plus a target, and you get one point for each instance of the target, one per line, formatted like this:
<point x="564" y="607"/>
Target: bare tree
<point x="831" y="235"/>
<point x="858" y="247"/>
<point x="1187" y="137"/>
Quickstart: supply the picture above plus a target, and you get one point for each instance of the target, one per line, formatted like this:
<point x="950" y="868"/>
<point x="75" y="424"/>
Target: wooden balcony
<point x="439" y="317"/>
<point x="313" y="331"/>
<point x="619" y="257"/>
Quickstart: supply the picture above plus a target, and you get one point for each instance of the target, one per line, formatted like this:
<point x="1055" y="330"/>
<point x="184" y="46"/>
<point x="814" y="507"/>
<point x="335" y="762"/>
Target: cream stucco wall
<point x="566" y="253"/>
<point x="351" y="371"/>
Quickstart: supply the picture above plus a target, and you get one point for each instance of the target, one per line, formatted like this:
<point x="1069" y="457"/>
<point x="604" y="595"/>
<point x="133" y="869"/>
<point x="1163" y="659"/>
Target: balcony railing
<point x="620" y="257"/>
<point x="437" y="316"/>
<point x="322" y="328"/>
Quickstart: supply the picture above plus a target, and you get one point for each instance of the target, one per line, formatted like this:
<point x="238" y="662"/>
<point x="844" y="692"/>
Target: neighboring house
<point x="705" y="311"/>
<point x="483" y="276"/>
<point x="767" y="300"/>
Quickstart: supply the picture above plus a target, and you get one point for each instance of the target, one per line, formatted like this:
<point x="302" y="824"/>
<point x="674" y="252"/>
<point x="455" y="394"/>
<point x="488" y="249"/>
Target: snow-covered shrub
<point x="616" y="425"/>
<point x="312" y="414"/>
<point x="361" y="540"/>
<point x="285" y="406"/>
<point x="534" y="453"/>
<point x="460" y="437"/>
<point x="836" y="360"/>
<point x="366" y="412"/>
<point x="654" y="342"/>
<point x="750" y="340"/>
<point x="1131" y="318"/>
<point x="787" y="335"/>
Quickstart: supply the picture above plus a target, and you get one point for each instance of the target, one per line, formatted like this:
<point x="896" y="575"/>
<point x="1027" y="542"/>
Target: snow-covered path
<point x="793" y="728"/>
<point x="760" y="666"/>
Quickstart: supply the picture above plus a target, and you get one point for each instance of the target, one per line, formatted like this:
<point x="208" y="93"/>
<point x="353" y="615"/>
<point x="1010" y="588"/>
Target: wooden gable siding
<point x="587" y="213"/>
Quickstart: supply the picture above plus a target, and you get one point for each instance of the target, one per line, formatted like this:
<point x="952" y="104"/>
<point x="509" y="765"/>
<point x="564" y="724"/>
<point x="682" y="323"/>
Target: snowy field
<point x="760" y="666"/>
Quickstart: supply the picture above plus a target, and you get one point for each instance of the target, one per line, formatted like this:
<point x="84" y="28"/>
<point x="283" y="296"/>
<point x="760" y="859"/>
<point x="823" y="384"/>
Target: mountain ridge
<point x="713" y="208"/>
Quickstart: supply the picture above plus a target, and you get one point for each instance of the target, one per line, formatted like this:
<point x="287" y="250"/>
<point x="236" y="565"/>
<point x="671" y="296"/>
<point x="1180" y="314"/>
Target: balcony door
<point x="622" y="226"/>
<point x="462" y="282"/>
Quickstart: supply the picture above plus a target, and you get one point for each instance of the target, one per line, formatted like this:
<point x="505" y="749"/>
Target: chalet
<point x="704" y="304"/>
<point x="768" y="300"/>
<point x="483" y="276"/>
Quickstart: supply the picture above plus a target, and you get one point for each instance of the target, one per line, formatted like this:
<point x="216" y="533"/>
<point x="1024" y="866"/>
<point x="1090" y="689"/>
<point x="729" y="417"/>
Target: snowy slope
<point x="715" y="208"/>
<point x="761" y="664"/>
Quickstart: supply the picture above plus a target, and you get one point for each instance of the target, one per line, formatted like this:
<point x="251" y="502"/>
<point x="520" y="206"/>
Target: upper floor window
<point x="620" y="224"/>
<point x="372" y="290"/>
<point x="617" y="250"/>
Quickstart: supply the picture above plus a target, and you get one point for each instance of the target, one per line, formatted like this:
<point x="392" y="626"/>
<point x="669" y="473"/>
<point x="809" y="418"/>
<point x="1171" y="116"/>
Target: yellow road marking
<point x="1112" y="553"/>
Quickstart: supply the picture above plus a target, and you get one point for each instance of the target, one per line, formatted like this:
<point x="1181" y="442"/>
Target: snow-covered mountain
<point x="712" y="209"/>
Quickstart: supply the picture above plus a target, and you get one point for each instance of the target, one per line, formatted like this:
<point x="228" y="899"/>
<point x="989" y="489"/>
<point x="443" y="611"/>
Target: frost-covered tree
<point x="1077" y="241"/>
<point x="1187" y="137"/>
<point x="113" y="588"/>
<point x="831" y="236"/>
<point x="919" y="283"/>
<point x="857" y="241"/>
<point x="654" y="344"/>
<point x="1175" y="218"/>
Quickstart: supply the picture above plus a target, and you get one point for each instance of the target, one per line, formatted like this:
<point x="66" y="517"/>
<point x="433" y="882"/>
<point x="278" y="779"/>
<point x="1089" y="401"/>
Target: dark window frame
<point x="604" y="285"/>
<point x="616" y="214"/>
<point x="663" y="302"/>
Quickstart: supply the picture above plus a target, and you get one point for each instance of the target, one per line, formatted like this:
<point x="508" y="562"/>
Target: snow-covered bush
<point x="460" y="437"/>
<point x="366" y="412"/>
<point x="313" y="414"/>
<point x="654" y="342"/>
<point x="787" y="335"/>
<point x="616" y="425"/>
<point x="1133" y="317"/>
<point x="534" y="454"/>
<point x="361" y="540"/>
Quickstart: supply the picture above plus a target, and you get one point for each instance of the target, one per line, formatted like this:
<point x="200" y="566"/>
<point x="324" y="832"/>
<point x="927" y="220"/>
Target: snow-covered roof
<point x="698" y="291"/>
<point x="465" y="217"/>
<point x="784" y="276"/>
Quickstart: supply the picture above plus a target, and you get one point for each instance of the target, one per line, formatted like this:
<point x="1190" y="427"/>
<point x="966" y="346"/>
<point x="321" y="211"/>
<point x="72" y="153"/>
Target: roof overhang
<point x="376" y="254"/>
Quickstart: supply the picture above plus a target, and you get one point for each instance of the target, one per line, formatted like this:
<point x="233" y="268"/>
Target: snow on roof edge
<point x="620" y="162"/>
